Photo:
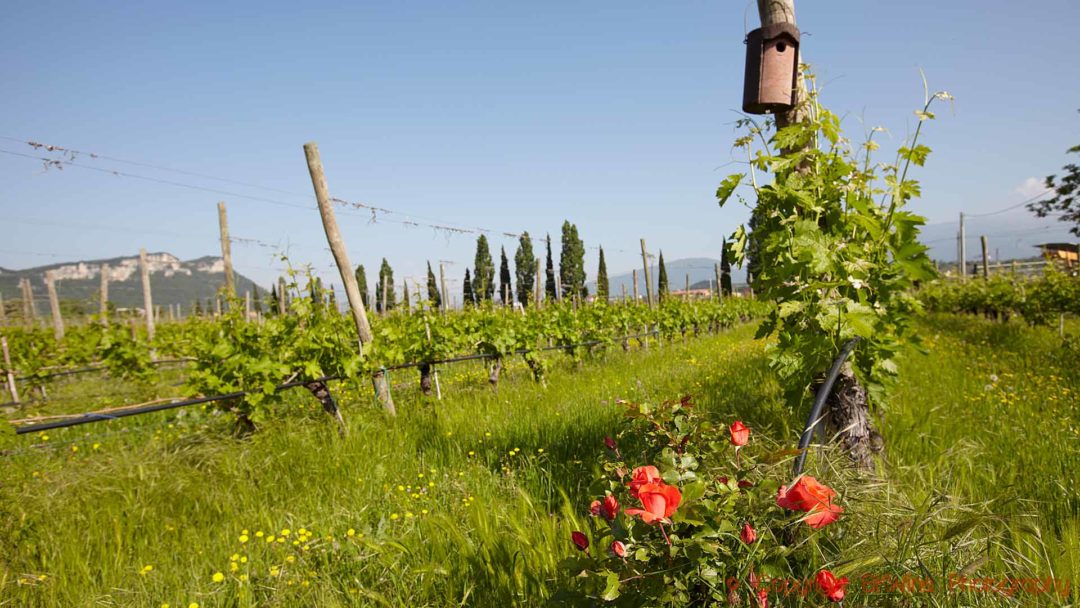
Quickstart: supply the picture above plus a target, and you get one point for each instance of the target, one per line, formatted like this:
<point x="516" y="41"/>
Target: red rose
<point x="580" y="540"/>
<point x="831" y="587"/>
<point x="594" y="508"/>
<point x="610" y="443"/>
<point x="748" y="535"/>
<point x="618" y="549"/>
<point x="739" y="434"/>
<point x="610" y="507"/>
<point x="642" y="476"/>
<point x="659" y="502"/>
<point x="810" y="496"/>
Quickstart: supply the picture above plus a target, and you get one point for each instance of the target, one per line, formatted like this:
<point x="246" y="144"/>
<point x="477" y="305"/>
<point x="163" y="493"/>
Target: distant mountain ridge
<point x="172" y="281"/>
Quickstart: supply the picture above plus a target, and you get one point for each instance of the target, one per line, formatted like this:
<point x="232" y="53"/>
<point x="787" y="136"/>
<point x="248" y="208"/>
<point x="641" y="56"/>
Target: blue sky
<point x="510" y="116"/>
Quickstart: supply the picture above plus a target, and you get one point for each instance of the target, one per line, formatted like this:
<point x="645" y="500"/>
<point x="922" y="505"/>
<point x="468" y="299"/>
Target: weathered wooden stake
<point x="538" y="285"/>
<point x="148" y="300"/>
<point x="385" y="288"/>
<point x="103" y="306"/>
<point x="217" y="306"/>
<point x="281" y="295"/>
<point x="3" y="313"/>
<point x="648" y="275"/>
<point x="54" y="306"/>
<point x="686" y="292"/>
<point x="341" y="257"/>
<point x="623" y="285"/>
<point x="29" y="310"/>
<point x="226" y="250"/>
<point x="985" y="257"/>
<point x="719" y="291"/>
<point x="635" y="286"/>
<point x="9" y="372"/>
<point x="444" y="297"/>
<point x="247" y="305"/>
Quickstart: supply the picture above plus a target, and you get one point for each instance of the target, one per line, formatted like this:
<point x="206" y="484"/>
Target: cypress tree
<point x="661" y="282"/>
<point x="198" y="308"/>
<point x="572" y="262"/>
<point x="725" y="270"/>
<point x="433" y="289"/>
<point x="256" y="299"/>
<point x="525" y="269"/>
<point x="484" y="272"/>
<point x="601" y="279"/>
<point x="506" y="291"/>
<point x="331" y="297"/>
<point x="386" y="277"/>
<point x="467" y="296"/>
<point x="361" y="282"/>
<point x="272" y="305"/>
<point x="549" y="281"/>
<point x="405" y="294"/>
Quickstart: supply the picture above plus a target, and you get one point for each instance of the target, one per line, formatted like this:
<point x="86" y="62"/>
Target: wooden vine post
<point x="29" y="311"/>
<point x="635" y="286"/>
<point x="341" y="257"/>
<point x="648" y="276"/>
<point x="54" y="306"/>
<point x="103" y="295"/>
<point x="8" y="371"/>
<point x="719" y="290"/>
<point x="148" y="299"/>
<point x="985" y="257"/>
<point x="281" y="296"/>
<point x="444" y="297"/>
<point x="226" y="251"/>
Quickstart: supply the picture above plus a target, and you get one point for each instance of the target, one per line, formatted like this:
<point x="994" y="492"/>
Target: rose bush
<point x="687" y="520"/>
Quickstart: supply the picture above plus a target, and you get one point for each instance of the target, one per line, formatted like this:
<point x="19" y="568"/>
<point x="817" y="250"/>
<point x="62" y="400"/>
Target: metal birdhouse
<point x="772" y="67"/>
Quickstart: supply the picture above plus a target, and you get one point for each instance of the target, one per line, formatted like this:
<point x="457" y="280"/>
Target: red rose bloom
<point x="642" y="476"/>
<point x="748" y="535"/>
<point x="659" y="502"/>
<point x="610" y="507"/>
<point x="618" y="549"/>
<point x="810" y="496"/>
<point x="580" y="540"/>
<point x="739" y="434"/>
<point x="831" y="587"/>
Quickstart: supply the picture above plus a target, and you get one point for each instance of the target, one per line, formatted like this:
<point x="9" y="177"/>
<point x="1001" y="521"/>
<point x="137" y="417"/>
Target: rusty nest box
<point x="772" y="67"/>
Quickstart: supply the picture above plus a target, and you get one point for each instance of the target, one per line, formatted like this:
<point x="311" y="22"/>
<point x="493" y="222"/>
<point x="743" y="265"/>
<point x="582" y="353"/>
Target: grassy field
<point x="470" y="500"/>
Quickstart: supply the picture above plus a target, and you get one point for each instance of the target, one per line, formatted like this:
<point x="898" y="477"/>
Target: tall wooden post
<point x="217" y="307"/>
<point x="29" y="310"/>
<point x="635" y="286"/>
<point x="444" y="297"/>
<point x="985" y="257"/>
<point x="103" y="306"/>
<point x="686" y="292"/>
<point x="772" y="12"/>
<point x="3" y="313"/>
<point x="247" y="304"/>
<point x="538" y="285"/>
<point x="281" y="295"/>
<point x="648" y="275"/>
<point x="341" y="257"/>
<point x="148" y="300"/>
<point x="623" y="285"/>
<point x="8" y="371"/>
<point x="54" y="306"/>
<point x="226" y="250"/>
<point x="962" y="255"/>
<point x="385" y="287"/>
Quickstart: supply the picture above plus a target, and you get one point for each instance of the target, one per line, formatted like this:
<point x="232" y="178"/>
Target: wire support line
<point x="120" y="412"/>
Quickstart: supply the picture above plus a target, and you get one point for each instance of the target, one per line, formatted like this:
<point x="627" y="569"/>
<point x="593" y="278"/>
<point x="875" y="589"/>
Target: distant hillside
<point x="172" y="281"/>
<point x="701" y="271"/>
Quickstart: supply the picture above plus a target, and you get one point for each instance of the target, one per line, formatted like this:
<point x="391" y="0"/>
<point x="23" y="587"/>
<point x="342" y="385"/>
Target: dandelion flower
<point x="218" y="577"/>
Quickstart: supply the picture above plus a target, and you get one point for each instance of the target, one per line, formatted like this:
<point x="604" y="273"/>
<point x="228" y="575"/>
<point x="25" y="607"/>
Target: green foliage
<point x="361" y="282"/>
<point x="840" y="264"/>
<point x="506" y="291"/>
<point x="662" y="280"/>
<point x="1065" y="202"/>
<point x="572" y="263"/>
<point x="1037" y="300"/>
<point x="725" y="269"/>
<point x="602" y="285"/>
<point x="386" y="283"/>
<point x="525" y="264"/>
<point x="468" y="297"/>
<point x="550" y="291"/>
<point x="434" y="297"/>
<point x="483" y="278"/>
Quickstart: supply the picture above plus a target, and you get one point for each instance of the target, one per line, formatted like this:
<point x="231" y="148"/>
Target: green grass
<point x="492" y="483"/>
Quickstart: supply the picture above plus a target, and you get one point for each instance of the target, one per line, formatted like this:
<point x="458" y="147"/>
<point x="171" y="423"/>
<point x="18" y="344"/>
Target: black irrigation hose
<point x="819" y="403"/>
<point x="94" y="368"/>
<point x="97" y="417"/>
